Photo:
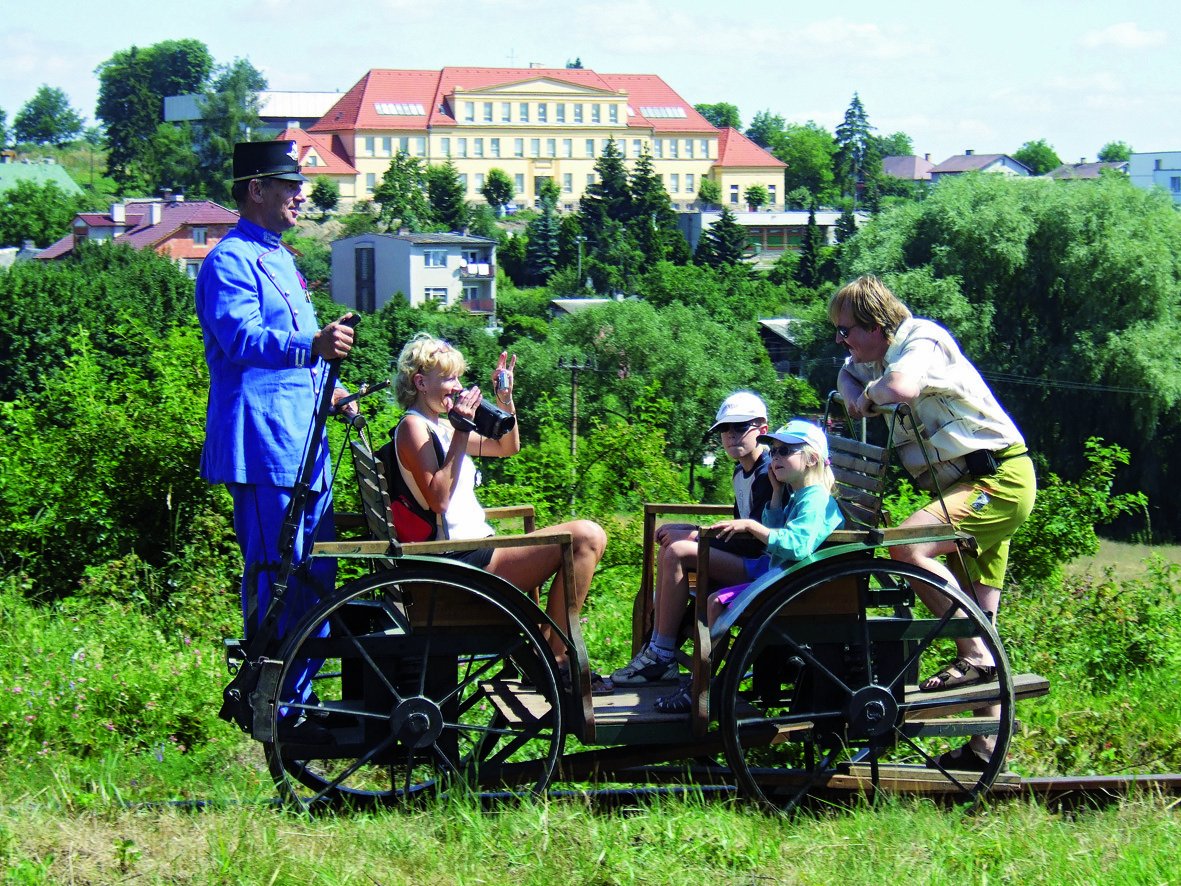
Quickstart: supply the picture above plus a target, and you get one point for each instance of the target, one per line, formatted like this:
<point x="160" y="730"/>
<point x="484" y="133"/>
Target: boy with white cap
<point x="740" y="420"/>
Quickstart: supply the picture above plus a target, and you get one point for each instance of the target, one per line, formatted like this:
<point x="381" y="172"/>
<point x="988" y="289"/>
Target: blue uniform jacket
<point x="258" y="326"/>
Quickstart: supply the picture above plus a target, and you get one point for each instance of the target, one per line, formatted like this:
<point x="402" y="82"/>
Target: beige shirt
<point x="956" y="411"/>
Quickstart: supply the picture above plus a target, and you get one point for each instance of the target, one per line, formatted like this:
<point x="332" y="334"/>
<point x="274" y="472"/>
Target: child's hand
<point x="729" y="528"/>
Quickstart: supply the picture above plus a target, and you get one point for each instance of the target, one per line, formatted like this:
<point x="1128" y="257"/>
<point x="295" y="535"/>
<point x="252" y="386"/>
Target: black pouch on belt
<point x="981" y="463"/>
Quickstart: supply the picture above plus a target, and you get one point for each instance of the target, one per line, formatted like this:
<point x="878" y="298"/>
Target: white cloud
<point x="1123" y="35"/>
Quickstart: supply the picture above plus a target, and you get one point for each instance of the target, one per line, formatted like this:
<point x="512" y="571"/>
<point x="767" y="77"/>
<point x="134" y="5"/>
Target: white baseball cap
<point x="800" y="430"/>
<point x="742" y="406"/>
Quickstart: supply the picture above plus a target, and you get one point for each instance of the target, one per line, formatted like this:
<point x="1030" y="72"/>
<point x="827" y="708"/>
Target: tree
<point x="1038" y="156"/>
<point x="724" y="243"/>
<point x="709" y="192"/>
<point x="653" y="221"/>
<point x="498" y="189"/>
<point x="896" y="144"/>
<point x="3" y="128"/>
<point x="364" y="219"/>
<point x="325" y="194"/>
<point x="809" y="272"/>
<point x="541" y="253"/>
<point x="447" y="196"/>
<point x="402" y="194"/>
<point x="765" y="129"/>
<point x="133" y="84"/>
<point x="229" y="112"/>
<point x="168" y="161"/>
<point x="856" y="157"/>
<point x="38" y="212"/>
<point x="1115" y="152"/>
<point x="756" y="196"/>
<point x="575" y="65"/>
<point x="609" y="197"/>
<point x="720" y="114"/>
<point x="47" y="119"/>
<point x="809" y="150"/>
<point x="846" y="225"/>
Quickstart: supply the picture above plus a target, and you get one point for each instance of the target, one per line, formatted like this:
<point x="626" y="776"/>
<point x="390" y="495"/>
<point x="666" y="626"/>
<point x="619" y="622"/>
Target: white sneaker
<point x="645" y="668"/>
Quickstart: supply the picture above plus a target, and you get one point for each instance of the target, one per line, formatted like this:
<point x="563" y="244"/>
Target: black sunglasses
<point x="843" y="331"/>
<point x="786" y="450"/>
<point x="741" y="428"/>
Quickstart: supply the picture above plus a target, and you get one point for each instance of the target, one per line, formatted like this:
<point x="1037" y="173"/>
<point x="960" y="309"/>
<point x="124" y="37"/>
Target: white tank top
<point x="464" y="517"/>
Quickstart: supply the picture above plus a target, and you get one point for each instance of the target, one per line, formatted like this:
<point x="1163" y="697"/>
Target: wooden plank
<point x="429" y="548"/>
<point x="857" y="480"/>
<point x="867" y="451"/>
<point x="966" y="698"/>
<point x="916" y="779"/>
<point x="859" y="497"/>
<point x="516" y="702"/>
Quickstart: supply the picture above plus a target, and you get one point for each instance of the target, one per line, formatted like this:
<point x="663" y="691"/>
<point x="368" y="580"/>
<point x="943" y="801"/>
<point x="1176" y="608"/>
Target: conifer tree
<point x="448" y="197"/>
<point x="402" y="194"/>
<point x="723" y="244"/>
<point x="856" y="159"/>
<point x="542" y="249"/>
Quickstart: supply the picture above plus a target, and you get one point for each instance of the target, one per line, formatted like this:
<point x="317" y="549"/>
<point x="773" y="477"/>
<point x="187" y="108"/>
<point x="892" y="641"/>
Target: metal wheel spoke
<point x="925" y="642"/>
<point x="484" y="668"/>
<point x="806" y="654"/>
<point x="336" y="621"/>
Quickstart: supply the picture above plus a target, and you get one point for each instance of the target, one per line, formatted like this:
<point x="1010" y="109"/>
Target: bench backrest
<point x="860" y="471"/>
<point x="375" y="498"/>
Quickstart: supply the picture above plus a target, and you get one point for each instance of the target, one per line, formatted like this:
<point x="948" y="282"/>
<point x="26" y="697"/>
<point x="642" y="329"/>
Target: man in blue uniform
<point x="266" y="351"/>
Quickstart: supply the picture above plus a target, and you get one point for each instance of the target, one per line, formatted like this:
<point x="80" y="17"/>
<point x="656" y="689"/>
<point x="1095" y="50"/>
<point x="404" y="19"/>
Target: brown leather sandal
<point x="960" y="672"/>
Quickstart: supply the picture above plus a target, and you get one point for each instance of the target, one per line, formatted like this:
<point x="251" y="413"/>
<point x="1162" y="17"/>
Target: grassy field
<point x="116" y="769"/>
<point x="1125" y="558"/>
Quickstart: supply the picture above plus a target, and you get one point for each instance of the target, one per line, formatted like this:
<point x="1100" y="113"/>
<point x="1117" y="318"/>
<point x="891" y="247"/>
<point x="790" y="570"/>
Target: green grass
<point x="1125" y="558"/>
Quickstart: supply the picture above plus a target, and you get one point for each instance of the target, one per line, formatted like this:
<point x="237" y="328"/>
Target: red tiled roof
<point x="357" y="109"/>
<point x="329" y="148"/>
<point x="141" y="234"/>
<point x="736" y="150"/>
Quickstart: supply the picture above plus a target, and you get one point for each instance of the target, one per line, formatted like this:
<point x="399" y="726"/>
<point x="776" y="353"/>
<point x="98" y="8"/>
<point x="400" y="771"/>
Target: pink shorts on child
<point x="726" y="595"/>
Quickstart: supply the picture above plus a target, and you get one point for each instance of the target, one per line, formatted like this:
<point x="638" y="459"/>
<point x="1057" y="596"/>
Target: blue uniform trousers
<point x="259" y="510"/>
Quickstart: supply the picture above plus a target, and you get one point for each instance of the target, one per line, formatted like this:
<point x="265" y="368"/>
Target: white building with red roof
<point x="182" y="231"/>
<point x="536" y="124"/>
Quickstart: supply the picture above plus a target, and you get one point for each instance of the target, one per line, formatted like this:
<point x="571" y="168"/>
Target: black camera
<point x="491" y="421"/>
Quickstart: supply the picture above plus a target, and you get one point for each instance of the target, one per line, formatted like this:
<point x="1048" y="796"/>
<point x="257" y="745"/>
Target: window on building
<point x="605" y="142"/>
<point x="534" y="147"/>
<point x="689" y="148"/>
<point x="434" y="258"/>
<point x="674" y="183"/>
<point x="658" y="148"/>
<point x="637" y="147"/>
<point x="674" y="148"/>
<point x="506" y="112"/>
<point x="578" y="113"/>
<point x="596" y="113"/>
<point x="199" y="236"/>
<point x="567" y="147"/>
<point x="365" y="287"/>
<point x="551" y="147"/>
<point x="590" y="179"/>
<point x="590" y="147"/>
<point x="734" y="194"/>
<point x="523" y="112"/>
<point x="567" y="183"/>
<point x="542" y="112"/>
<point x="369" y="145"/>
<point x="445" y="147"/>
<point x="370" y="182"/>
<point x="420" y="145"/>
<point x="519" y="183"/>
<point x="192" y="269"/>
<point x="1175" y="183"/>
<point x="487" y="112"/>
<point x="690" y="181"/>
<point x="560" y="112"/>
<point x="479" y="182"/>
<point x="471" y="293"/>
<point x="386" y="147"/>
<point x="771" y="194"/>
<point x="494" y="147"/>
<point x="477" y="147"/>
<point x="469" y="112"/>
<point x="461" y="147"/>
<point x="704" y="149"/>
<point x="462" y="180"/>
<point x="613" y="113"/>
<point x="435" y="293"/>
<point x="518" y="147"/>
<point x="1158" y="164"/>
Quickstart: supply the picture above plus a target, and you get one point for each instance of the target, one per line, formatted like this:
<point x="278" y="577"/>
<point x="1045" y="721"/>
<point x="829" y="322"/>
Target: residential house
<point x="537" y="124"/>
<point x="320" y="155"/>
<point x="182" y="231"/>
<point x="1160" y="169"/>
<point x="449" y="269"/>
<point x="769" y="234"/>
<point x="1085" y="170"/>
<point x="970" y="161"/>
<point x="908" y="167"/>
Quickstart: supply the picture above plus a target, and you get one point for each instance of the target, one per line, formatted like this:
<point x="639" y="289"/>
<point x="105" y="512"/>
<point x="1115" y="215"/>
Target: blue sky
<point x="953" y="76"/>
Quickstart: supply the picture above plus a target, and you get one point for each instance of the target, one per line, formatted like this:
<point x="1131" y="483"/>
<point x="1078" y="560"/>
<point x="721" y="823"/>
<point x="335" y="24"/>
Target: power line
<point x="1010" y="378"/>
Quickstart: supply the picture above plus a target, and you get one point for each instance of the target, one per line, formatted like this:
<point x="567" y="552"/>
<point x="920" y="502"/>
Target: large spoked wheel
<point x="429" y="677"/>
<point x="819" y="694"/>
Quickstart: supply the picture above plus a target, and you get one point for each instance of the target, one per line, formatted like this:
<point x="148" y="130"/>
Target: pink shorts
<point x="726" y="595"/>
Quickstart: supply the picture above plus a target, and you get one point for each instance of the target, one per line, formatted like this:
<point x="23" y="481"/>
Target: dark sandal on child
<point x="959" y="673"/>
<point x="961" y="759"/>
<point x="679" y="702"/>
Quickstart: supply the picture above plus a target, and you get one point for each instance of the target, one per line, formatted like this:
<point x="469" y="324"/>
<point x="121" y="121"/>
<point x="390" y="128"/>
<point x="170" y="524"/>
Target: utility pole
<point x="581" y="239"/>
<point x="575" y="367"/>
